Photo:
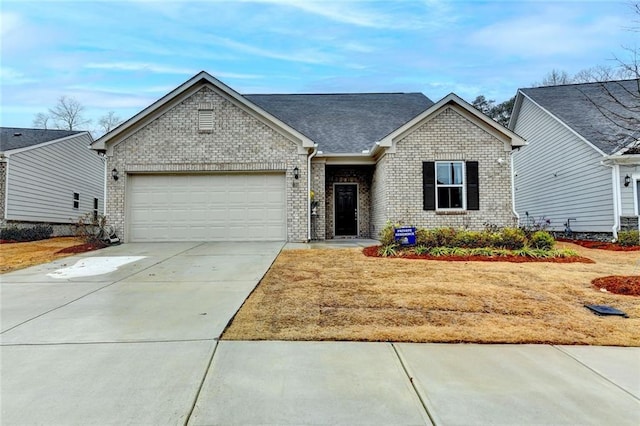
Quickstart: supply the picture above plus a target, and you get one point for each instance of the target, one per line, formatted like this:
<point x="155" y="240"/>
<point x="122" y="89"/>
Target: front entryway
<point x="346" y="209"/>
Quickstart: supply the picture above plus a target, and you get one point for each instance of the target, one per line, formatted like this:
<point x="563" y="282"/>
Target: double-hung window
<point x="450" y="185"/>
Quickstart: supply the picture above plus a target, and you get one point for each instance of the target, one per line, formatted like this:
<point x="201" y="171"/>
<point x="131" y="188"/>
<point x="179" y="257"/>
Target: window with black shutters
<point x="450" y="185"/>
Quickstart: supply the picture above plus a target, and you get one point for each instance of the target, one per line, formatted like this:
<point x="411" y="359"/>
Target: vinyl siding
<point x="559" y="176"/>
<point x="626" y="192"/>
<point x="42" y="181"/>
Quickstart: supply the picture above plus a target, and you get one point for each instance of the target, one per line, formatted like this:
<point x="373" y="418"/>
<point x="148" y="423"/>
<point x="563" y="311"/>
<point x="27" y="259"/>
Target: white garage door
<point x="221" y="207"/>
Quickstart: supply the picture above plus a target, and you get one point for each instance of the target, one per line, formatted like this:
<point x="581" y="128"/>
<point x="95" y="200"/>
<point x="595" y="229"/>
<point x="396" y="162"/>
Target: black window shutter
<point x="428" y="185"/>
<point x="473" y="193"/>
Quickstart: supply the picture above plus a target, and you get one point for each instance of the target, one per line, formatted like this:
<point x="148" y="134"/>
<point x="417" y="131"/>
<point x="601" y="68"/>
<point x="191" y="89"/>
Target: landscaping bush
<point x="387" y="235"/>
<point x="426" y="238"/>
<point x="445" y="237"/>
<point x="510" y="238"/>
<point x="629" y="238"/>
<point x="473" y="239"/>
<point x="542" y="240"/>
<point x="38" y="232"/>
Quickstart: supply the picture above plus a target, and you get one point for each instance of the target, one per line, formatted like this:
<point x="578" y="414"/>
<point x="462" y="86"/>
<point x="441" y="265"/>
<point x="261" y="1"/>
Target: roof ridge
<point x="332" y="94"/>
<point x="582" y="84"/>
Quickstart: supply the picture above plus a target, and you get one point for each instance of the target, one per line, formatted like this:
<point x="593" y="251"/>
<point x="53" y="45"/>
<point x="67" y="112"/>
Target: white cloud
<point x="140" y="66"/>
<point x="309" y="56"/>
<point x="547" y="34"/>
<point x="10" y="76"/>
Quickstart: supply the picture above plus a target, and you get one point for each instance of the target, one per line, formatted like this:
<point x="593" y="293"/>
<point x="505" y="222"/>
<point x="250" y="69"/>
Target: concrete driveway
<point x="129" y="335"/>
<point x="123" y="335"/>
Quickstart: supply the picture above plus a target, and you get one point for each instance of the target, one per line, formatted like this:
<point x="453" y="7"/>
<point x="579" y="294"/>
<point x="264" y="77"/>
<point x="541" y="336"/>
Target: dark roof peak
<point x="603" y="113"/>
<point x="19" y="137"/>
<point x="344" y="122"/>
<point x="624" y="80"/>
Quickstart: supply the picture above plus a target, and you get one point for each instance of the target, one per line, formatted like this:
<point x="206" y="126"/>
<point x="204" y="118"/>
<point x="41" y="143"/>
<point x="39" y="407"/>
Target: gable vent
<point x="205" y="117"/>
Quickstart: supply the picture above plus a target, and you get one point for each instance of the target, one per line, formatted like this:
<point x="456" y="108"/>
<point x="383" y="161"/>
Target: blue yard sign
<point x="405" y="235"/>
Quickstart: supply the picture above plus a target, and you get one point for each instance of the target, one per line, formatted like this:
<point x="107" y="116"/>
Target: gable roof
<point x="507" y="135"/>
<point x="346" y="122"/>
<point x="15" y="137"/>
<point x="573" y="104"/>
<point x="187" y="89"/>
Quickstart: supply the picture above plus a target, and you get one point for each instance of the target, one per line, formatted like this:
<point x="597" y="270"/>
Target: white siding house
<point x="573" y="170"/>
<point x="49" y="176"/>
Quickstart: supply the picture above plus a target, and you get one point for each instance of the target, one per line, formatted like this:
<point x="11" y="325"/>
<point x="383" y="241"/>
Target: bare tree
<point x="556" y="77"/>
<point x="40" y="120"/>
<point x="109" y="122"/>
<point x="619" y="101"/>
<point x="68" y="114"/>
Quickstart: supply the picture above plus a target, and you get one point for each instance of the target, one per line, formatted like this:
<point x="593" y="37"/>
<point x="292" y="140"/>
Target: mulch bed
<point x="374" y="252"/>
<point x="602" y="245"/>
<point x="628" y="285"/>
<point x="82" y="248"/>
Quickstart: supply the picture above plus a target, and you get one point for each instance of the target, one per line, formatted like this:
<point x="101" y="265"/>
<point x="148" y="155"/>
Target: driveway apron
<point x="87" y="342"/>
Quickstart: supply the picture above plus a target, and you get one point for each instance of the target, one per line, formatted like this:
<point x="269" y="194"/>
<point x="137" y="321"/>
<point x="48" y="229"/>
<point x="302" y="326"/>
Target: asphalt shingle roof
<point x="574" y="105"/>
<point x="15" y="137"/>
<point x="344" y="123"/>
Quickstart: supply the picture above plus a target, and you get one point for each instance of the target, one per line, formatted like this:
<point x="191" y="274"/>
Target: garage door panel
<point x="207" y="207"/>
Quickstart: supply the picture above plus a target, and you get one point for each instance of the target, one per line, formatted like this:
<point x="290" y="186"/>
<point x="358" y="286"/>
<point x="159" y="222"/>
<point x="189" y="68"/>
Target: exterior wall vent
<point x="205" y="117"/>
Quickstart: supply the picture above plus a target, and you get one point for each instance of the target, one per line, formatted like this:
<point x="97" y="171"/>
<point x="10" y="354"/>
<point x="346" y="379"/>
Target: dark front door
<point x="346" y="202"/>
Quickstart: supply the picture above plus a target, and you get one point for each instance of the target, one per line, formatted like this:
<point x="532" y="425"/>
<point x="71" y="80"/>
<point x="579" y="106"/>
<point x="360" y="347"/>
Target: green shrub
<point x="426" y="238"/>
<point x="38" y="232"/>
<point x="387" y="234"/>
<point x="473" y="239"/>
<point x="629" y="238"/>
<point x="510" y="238"/>
<point x="421" y="249"/>
<point x="388" y="250"/>
<point x="445" y="237"/>
<point x="542" y="240"/>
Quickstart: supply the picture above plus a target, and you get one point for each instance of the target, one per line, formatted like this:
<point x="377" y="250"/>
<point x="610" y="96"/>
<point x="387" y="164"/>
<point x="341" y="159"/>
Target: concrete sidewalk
<point x="131" y="336"/>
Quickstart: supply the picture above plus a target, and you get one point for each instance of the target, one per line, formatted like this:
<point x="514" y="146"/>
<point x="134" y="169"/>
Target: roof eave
<point x="451" y="98"/>
<point x="129" y="125"/>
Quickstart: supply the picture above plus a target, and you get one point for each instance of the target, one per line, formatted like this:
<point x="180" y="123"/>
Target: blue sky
<point x="124" y="55"/>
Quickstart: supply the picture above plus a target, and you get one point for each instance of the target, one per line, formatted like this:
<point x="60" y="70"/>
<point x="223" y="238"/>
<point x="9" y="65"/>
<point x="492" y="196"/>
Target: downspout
<point x="513" y="188"/>
<point x="106" y="176"/>
<point x="313" y="154"/>
<point x="615" y="173"/>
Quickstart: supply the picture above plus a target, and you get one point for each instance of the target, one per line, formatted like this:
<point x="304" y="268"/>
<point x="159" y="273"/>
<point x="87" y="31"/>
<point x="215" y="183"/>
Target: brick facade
<point x="239" y="142"/>
<point x="318" y="223"/>
<point x="397" y="181"/>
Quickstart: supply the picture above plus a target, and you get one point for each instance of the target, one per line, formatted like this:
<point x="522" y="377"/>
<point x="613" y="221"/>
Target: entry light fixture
<point x="296" y="173"/>
<point x="627" y="180"/>
<point x="114" y="174"/>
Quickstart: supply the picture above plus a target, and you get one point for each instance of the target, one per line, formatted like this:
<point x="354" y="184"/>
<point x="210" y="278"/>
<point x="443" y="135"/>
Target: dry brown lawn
<point x="15" y="256"/>
<point x="344" y="295"/>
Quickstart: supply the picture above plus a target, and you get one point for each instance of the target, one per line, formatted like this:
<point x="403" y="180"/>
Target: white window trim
<point x="463" y="185"/>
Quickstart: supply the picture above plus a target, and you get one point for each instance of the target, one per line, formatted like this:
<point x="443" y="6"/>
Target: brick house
<point x="206" y="163"/>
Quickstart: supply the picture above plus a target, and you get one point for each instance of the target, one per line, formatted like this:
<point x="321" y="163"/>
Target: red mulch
<point x="602" y="245"/>
<point x="373" y="252"/>
<point x="628" y="285"/>
<point x="7" y="241"/>
<point x="82" y="248"/>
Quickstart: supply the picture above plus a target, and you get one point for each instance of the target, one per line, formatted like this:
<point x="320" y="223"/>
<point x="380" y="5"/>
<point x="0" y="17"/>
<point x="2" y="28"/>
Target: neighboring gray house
<point x="579" y="164"/>
<point x="206" y="163"/>
<point x="49" y="176"/>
